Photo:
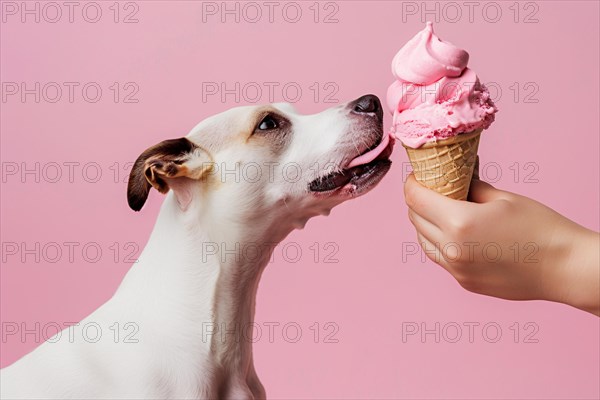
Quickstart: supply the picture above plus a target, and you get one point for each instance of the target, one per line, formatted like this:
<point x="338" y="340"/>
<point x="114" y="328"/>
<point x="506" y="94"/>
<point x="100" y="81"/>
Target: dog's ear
<point x="166" y="166"/>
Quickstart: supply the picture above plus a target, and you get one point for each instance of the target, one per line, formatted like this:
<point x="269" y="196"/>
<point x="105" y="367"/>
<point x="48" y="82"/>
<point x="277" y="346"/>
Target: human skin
<point x="505" y="245"/>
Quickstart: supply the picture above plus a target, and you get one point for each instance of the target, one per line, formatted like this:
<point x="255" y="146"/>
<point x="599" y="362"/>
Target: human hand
<point x="509" y="246"/>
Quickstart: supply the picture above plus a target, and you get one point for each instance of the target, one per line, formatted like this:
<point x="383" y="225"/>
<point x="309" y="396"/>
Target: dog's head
<point x="257" y="159"/>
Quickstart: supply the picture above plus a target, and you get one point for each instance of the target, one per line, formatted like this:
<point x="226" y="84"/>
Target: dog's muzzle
<point x="367" y="169"/>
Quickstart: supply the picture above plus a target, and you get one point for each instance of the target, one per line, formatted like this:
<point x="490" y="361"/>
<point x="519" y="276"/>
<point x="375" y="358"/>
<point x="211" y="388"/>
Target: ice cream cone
<point x="446" y="166"/>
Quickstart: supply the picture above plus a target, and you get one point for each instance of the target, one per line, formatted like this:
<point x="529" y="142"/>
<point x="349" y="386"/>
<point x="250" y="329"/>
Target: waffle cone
<point x="446" y="166"/>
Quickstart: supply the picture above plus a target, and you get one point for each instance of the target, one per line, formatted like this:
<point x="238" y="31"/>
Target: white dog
<point x="241" y="180"/>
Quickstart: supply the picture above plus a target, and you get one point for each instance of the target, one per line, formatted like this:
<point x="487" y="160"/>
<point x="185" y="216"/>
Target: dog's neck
<point x="206" y="279"/>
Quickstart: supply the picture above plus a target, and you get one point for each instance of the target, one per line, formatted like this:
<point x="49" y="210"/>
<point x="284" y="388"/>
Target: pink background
<point x="371" y="291"/>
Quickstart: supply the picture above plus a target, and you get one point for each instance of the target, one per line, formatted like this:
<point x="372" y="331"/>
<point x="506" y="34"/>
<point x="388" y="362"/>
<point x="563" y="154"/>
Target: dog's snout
<point x="368" y="104"/>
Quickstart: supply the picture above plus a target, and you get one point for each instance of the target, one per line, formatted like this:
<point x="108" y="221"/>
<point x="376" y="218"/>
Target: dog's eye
<point x="267" y="123"/>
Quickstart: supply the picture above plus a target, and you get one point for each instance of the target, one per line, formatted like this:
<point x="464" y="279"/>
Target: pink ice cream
<point x="435" y="95"/>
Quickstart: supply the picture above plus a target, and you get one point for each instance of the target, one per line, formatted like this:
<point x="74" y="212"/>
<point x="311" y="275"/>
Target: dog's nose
<point x="368" y="104"/>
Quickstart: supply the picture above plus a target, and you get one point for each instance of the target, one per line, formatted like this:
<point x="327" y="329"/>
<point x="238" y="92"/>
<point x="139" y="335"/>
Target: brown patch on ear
<point x="164" y="160"/>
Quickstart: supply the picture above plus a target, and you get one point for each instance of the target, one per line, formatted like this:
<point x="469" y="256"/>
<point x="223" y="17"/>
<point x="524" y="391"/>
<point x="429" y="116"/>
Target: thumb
<point x="480" y="191"/>
<point x="483" y="192"/>
<point x="476" y="168"/>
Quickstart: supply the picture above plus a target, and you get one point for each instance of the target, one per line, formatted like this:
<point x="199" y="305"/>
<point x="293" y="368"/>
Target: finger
<point x="429" y="204"/>
<point x="435" y="254"/>
<point x="426" y="228"/>
<point x="476" y="169"/>
<point x="483" y="192"/>
<point x="432" y="251"/>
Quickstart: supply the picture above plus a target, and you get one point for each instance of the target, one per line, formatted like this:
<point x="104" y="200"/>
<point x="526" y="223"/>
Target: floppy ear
<point x="165" y="166"/>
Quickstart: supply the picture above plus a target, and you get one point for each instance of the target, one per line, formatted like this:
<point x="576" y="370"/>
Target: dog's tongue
<point x="371" y="155"/>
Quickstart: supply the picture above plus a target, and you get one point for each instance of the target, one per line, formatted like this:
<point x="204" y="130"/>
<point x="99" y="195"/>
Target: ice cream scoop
<point x="426" y="59"/>
<point x="435" y="95"/>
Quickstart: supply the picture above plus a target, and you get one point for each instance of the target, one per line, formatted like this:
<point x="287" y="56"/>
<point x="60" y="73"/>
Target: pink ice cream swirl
<point x="435" y="96"/>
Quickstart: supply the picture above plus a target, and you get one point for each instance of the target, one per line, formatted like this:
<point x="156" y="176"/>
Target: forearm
<point x="580" y="275"/>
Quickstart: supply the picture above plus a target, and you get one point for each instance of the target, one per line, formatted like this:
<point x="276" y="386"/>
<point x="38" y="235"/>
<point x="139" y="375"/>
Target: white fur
<point x="176" y="289"/>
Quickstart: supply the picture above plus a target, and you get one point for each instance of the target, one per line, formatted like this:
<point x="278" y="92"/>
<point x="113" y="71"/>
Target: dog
<point x="239" y="180"/>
